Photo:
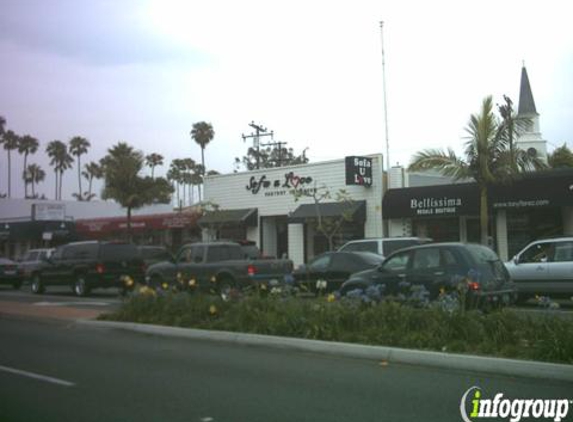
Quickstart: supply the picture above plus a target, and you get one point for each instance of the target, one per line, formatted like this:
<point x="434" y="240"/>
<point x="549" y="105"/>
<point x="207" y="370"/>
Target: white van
<point x="382" y="246"/>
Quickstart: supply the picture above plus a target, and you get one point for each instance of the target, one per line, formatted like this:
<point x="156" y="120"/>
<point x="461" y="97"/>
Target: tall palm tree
<point x="2" y="125"/>
<point x="78" y="147"/>
<point x="61" y="160"/>
<point x="488" y="160"/>
<point x="10" y="141"/>
<point x="92" y="170"/>
<point x="27" y="145"/>
<point x="34" y="174"/>
<point x="153" y="160"/>
<point x="202" y="133"/>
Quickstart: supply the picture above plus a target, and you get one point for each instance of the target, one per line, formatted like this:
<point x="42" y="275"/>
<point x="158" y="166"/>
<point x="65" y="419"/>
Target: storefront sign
<point x="435" y="206"/>
<point x="278" y="187"/>
<point x="48" y="212"/>
<point x="358" y="171"/>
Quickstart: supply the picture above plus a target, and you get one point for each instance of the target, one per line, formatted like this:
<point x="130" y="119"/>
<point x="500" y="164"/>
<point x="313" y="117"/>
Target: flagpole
<point x="385" y="102"/>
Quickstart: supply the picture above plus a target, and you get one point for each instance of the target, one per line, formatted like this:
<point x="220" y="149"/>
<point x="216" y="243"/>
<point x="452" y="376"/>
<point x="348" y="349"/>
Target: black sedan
<point x="327" y="272"/>
<point x="441" y="268"/>
<point x="9" y="273"/>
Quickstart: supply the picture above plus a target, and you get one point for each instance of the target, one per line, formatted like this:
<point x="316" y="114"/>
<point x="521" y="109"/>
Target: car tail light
<point x="100" y="268"/>
<point x="472" y="285"/>
<point x="251" y="270"/>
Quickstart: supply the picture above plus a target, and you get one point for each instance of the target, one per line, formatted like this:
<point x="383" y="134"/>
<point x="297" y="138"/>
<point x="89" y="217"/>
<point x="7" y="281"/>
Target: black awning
<point x="553" y="188"/>
<point x="431" y="201"/>
<point x="245" y="216"/>
<point x="355" y="209"/>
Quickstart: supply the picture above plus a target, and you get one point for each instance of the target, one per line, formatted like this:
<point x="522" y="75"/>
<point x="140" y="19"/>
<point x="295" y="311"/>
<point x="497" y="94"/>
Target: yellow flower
<point x="263" y="287"/>
<point x="164" y="286"/>
<point x="213" y="310"/>
<point x="331" y="298"/>
<point x="213" y="279"/>
<point x="128" y="281"/>
<point x="192" y="282"/>
<point x="179" y="276"/>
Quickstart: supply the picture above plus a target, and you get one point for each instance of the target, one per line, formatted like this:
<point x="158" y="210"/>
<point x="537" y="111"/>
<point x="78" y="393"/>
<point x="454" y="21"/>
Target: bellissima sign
<point x="435" y="206"/>
<point x="279" y="187"/>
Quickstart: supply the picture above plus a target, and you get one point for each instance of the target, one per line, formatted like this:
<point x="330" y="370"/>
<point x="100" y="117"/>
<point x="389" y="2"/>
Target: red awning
<point x="138" y="223"/>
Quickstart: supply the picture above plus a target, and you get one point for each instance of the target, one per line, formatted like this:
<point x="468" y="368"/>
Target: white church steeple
<point x="530" y="139"/>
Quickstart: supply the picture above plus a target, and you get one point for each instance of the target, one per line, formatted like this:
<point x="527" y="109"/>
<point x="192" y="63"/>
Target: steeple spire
<point x="526" y="105"/>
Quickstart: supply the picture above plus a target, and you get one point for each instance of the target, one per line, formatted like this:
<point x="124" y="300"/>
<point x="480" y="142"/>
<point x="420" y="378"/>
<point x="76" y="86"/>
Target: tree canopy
<point x="270" y="157"/>
<point x="562" y="157"/>
<point x="122" y="182"/>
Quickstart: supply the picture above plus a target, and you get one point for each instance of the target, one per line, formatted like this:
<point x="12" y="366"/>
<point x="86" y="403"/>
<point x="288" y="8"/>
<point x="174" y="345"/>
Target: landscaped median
<point x="543" y="336"/>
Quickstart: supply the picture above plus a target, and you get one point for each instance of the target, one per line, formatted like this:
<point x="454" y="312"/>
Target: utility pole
<point x="259" y="132"/>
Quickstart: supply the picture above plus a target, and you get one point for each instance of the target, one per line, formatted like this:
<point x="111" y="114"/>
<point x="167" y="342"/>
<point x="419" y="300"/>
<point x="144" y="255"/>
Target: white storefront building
<point x="261" y="205"/>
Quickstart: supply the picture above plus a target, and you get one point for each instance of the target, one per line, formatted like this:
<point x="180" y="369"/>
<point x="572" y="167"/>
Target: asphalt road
<point x="109" y="375"/>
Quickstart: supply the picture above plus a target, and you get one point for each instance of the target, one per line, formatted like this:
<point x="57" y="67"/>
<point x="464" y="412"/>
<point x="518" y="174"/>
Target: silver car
<point x="544" y="268"/>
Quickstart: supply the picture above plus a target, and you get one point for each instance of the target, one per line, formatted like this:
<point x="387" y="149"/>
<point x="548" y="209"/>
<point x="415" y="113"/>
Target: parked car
<point x="334" y="268"/>
<point x="442" y="267"/>
<point x="9" y="273"/>
<point x="222" y="265"/>
<point x="89" y="265"/>
<point x="544" y="268"/>
<point x="31" y="260"/>
<point x="154" y="254"/>
<point x="382" y="246"/>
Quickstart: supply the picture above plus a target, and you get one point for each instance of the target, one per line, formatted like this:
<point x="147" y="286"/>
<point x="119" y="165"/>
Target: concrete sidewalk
<point x="497" y="366"/>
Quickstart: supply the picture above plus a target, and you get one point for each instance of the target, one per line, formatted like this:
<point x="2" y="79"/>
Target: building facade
<point x="276" y="209"/>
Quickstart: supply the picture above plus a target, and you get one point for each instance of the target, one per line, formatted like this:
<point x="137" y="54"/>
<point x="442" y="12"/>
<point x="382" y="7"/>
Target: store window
<point x="438" y="229"/>
<point x="527" y="225"/>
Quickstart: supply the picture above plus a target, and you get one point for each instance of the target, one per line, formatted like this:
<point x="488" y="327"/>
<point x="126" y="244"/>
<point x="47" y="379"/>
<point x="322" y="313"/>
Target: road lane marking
<point x="37" y="376"/>
<point x="71" y="304"/>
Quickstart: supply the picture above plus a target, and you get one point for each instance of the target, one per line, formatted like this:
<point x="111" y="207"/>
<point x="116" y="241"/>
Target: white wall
<point x="230" y="191"/>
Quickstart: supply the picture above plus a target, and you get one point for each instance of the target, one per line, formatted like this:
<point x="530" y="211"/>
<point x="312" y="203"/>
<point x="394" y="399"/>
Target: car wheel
<point x="37" y="286"/>
<point x="81" y="285"/>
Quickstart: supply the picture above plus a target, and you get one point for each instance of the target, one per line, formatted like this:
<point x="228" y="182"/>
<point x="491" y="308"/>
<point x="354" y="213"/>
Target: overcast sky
<point x="144" y="71"/>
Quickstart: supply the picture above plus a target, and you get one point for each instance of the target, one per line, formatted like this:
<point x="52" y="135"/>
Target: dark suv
<point x="442" y="267"/>
<point x="89" y="265"/>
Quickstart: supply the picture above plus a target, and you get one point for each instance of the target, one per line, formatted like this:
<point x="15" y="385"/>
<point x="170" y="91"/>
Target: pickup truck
<point x="217" y="265"/>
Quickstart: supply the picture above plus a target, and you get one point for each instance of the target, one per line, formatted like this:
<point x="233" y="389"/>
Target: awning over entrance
<point x="356" y="210"/>
<point x="429" y="201"/>
<point x="245" y="216"/>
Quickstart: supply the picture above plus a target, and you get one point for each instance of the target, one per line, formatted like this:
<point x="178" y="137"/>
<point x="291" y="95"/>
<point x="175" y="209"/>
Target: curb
<point x="497" y="366"/>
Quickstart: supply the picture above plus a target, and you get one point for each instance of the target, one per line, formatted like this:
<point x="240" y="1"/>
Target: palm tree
<point x="202" y="133"/>
<point x="10" y="141"/>
<point x="92" y="171"/>
<point x="61" y="161"/>
<point x="78" y="147"/>
<point x="34" y="174"/>
<point x="488" y="161"/>
<point x="2" y="125"/>
<point x="153" y="160"/>
<point x="27" y="145"/>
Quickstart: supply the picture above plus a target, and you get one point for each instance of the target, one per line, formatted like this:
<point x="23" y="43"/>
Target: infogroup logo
<point x="514" y="409"/>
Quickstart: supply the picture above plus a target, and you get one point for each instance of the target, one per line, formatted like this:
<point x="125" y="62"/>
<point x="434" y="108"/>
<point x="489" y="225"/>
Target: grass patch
<point x="504" y="333"/>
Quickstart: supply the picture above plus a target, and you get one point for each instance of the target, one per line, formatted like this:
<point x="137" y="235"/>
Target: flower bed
<point x="439" y="326"/>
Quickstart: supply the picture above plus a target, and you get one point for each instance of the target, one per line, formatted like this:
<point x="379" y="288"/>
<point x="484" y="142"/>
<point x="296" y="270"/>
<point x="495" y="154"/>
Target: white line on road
<point x="37" y="376"/>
